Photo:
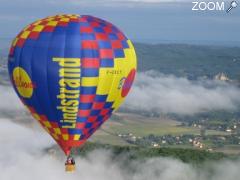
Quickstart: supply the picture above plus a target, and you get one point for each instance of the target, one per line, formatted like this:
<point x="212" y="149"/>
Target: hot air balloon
<point x="71" y="72"/>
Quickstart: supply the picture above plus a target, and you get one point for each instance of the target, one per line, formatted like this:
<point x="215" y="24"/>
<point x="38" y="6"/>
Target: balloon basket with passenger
<point x="70" y="164"/>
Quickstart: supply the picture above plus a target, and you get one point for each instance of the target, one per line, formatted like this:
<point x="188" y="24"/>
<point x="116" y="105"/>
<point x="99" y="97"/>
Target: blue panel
<point x="88" y="90"/>
<point x="100" y="118"/>
<point x="104" y="44"/>
<point x="40" y="76"/>
<point x="98" y="30"/>
<point x="125" y="44"/>
<point x="85" y="24"/>
<point x="108" y="104"/>
<point x="85" y="106"/>
<point x="73" y="28"/>
<point x="107" y="63"/>
<point x="72" y="41"/>
<point x="95" y="112"/>
<point x="88" y="36"/>
<point x="91" y="131"/>
<point x="89" y="72"/>
<point x="56" y="49"/>
<point x="100" y="98"/>
<point x="81" y="119"/>
<point x="119" y="53"/>
<point x="88" y="125"/>
<point x="89" y="53"/>
<point x="112" y="36"/>
<point x="74" y="131"/>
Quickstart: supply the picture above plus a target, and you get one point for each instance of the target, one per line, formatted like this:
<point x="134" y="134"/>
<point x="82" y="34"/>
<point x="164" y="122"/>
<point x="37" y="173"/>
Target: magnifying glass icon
<point x="233" y="4"/>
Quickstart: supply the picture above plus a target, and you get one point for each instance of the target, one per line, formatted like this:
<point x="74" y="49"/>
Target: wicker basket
<point x="70" y="168"/>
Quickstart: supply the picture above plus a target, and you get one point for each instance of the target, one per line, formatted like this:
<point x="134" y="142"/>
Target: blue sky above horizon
<point x="151" y="21"/>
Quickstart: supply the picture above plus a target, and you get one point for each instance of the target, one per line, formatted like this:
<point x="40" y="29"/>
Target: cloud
<point x="23" y="156"/>
<point x="156" y="92"/>
<point x="9" y="100"/>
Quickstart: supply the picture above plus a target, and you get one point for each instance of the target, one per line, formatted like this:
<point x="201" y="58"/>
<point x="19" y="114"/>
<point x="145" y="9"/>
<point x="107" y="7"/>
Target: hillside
<point x="189" y="60"/>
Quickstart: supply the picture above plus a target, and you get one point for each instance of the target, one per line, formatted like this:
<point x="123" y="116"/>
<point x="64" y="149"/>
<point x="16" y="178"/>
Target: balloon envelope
<point x="71" y="72"/>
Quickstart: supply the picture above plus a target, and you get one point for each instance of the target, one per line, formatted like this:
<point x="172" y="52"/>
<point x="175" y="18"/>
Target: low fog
<point x="160" y="93"/>
<point x="23" y="148"/>
<point x="23" y="156"/>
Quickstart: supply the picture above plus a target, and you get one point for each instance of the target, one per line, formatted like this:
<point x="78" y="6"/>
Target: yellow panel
<point x="47" y="130"/>
<point x="25" y="34"/>
<point x="76" y="137"/>
<point x="104" y="82"/>
<point x="125" y="64"/>
<point x="114" y="92"/>
<point x="57" y="130"/>
<point x="36" y="116"/>
<point x="14" y="41"/>
<point x="65" y="137"/>
<point x="26" y="27"/>
<point x="55" y="136"/>
<point x="89" y="81"/>
<point x="47" y="124"/>
<point x="37" y="22"/>
<point x="38" y="28"/>
<point x="52" y="23"/>
<point x="50" y="18"/>
<point x="64" y="19"/>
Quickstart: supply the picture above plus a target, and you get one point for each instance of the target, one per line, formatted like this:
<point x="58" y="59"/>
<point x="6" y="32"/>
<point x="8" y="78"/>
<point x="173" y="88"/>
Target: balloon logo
<point x="22" y="82"/>
<point x="71" y="72"/>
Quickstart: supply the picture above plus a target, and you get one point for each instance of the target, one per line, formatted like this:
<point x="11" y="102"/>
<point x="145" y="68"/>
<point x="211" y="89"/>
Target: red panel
<point x="30" y="28"/>
<point x="20" y="42"/>
<point x="80" y="125"/>
<point x="90" y="63"/>
<point x="71" y="138"/>
<point x="94" y="24"/>
<point x="86" y="29"/>
<point x="121" y="36"/>
<point x="33" y="35"/>
<point x="44" y="22"/>
<point x="104" y="111"/>
<point x="98" y="105"/>
<point x="101" y="36"/>
<point x="82" y="19"/>
<point x="64" y="131"/>
<point x="61" y="23"/>
<point x="83" y="113"/>
<point x="74" y="19"/>
<point x="105" y="117"/>
<point x="116" y="44"/>
<point x="107" y="29"/>
<point x="88" y="44"/>
<point x="106" y="53"/>
<point x="92" y="119"/>
<point x="54" y="125"/>
<point x="87" y="98"/>
<point x="31" y="109"/>
<point x="43" y="117"/>
<point x="95" y="125"/>
<point x="11" y="50"/>
<point x="48" y="28"/>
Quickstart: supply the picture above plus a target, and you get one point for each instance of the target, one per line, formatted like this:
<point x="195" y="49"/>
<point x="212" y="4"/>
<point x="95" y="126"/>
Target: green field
<point x="141" y="126"/>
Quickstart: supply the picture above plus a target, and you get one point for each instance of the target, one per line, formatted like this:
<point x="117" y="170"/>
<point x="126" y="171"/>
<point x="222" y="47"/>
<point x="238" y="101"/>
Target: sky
<point x="151" y="21"/>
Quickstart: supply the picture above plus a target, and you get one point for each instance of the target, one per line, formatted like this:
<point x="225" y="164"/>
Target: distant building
<point x="155" y="144"/>
<point x="221" y="77"/>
